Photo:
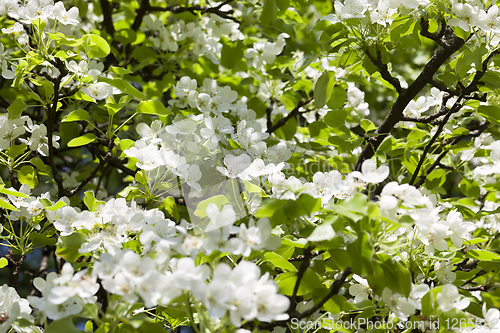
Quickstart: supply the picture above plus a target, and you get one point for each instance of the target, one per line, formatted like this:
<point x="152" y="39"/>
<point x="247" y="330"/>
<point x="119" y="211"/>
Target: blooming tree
<point x="238" y="166"/>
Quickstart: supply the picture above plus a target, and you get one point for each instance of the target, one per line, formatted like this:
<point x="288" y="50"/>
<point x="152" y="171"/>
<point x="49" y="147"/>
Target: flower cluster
<point x="66" y="294"/>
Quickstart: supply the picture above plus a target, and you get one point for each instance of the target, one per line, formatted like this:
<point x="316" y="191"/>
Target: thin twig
<point x="383" y="69"/>
<point x="292" y="114"/>
<point x="334" y="290"/>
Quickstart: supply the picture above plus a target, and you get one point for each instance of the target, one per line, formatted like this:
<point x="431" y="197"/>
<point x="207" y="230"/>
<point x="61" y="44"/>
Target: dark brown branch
<point x="442" y="87"/>
<point x="428" y="119"/>
<point x="269" y="112"/>
<point x="467" y="265"/>
<point x="302" y="257"/>
<point x="471" y="280"/>
<point x="437" y="163"/>
<point x="103" y="174"/>
<point x="51" y="121"/>
<point x="13" y="180"/>
<point x="383" y="69"/>
<point x="456" y="107"/>
<point x="102" y="162"/>
<point x="119" y="165"/>
<point x="450" y="43"/>
<point x="476" y="288"/>
<point x="107" y="13"/>
<point x="141" y="12"/>
<point x="292" y="114"/>
<point x="334" y="290"/>
<point x="302" y="269"/>
<point x="213" y="10"/>
<point x="14" y="268"/>
<point x="465" y="91"/>
<point x="435" y="36"/>
<point x="146" y="8"/>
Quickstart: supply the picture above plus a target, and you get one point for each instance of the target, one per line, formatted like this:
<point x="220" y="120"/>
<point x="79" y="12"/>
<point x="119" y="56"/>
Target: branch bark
<point x="334" y="290"/>
<point x="14" y="268"/>
<point x="292" y="114"/>
<point x="449" y="44"/>
<point x="107" y="13"/>
<point x="383" y="70"/>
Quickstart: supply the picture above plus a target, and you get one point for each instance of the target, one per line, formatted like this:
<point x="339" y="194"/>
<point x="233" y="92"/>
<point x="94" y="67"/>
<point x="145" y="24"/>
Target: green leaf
<point x="27" y="175"/>
<point x="153" y="107"/>
<point x="90" y="201"/>
<point x="435" y="179"/>
<point x="3" y="262"/>
<point x="368" y="65"/>
<point x="397" y="278"/>
<point x="95" y="46"/>
<point x="321" y="233"/>
<point x="61" y="39"/>
<point x="491" y="79"/>
<point x="16" y="150"/>
<point x="6" y="205"/>
<point x="13" y="193"/>
<point x="76" y="115"/>
<point x="361" y="251"/>
<point x="62" y="326"/>
<point x="287" y="131"/>
<point x="354" y="208"/>
<point x="119" y="70"/>
<point x="148" y="327"/>
<point x="40" y="239"/>
<point x="55" y="206"/>
<point x="124" y="86"/>
<point x="82" y="140"/>
<point x="171" y="207"/>
<point x="126" y="36"/>
<point x="113" y="108"/>
<point x="323" y="88"/>
<point x="269" y="12"/>
<point x="483" y="255"/>
<point x="490" y="112"/>
<point x="83" y="97"/>
<point x="38" y="163"/>
<point x="232" y="53"/>
<point x="269" y="207"/>
<point x="338" y="98"/>
<point x="470" y="188"/>
<point x="305" y="205"/>
<point x="68" y="246"/>
<point x="16" y="108"/>
<point x="278" y="261"/>
<point x="125" y="144"/>
<point x="336" y="119"/>
<point x="286" y="282"/>
<point x="201" y="210"/>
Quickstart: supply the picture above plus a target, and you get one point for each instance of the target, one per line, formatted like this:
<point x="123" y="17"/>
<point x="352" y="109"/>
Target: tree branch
<point x="292" y="114"/>
<point x="103" y="161"/>
<point x="302" y="269"/>
<point x="14" y="268"/>
<point x="437" y="162"/>
<point x="51" y="121"/>
<point x="450" y="43"/>
<point x="334" y="290"/>
<point x="302" y="257"/>
<point x="141" y="12"/>
<point x="478" y="274"/>
<point x="146" y="8"/>
<point x="107" y="13"/>
<point x="456" y="107"/>
<point x="192" y="9"/>
<point x="383" y="70"/>
<point x="119" y="165"/>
